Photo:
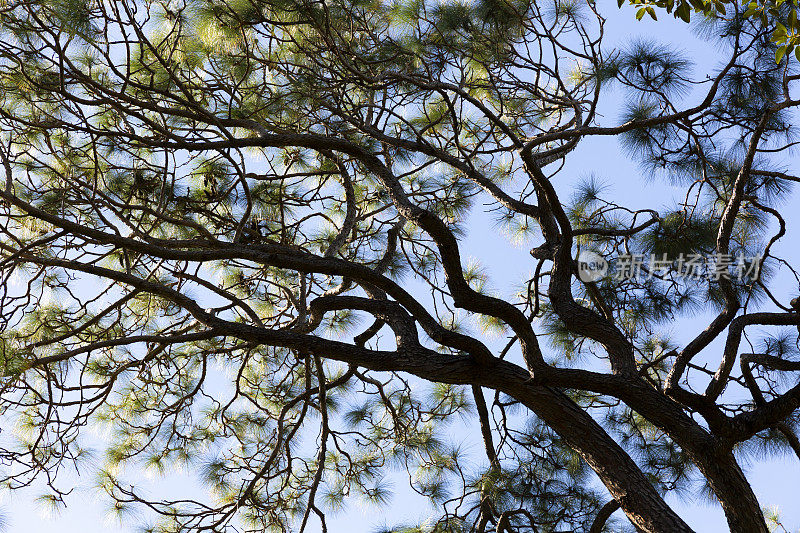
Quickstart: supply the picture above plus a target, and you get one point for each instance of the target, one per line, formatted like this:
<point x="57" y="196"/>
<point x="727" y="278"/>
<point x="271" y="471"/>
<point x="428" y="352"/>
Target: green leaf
<point x="683" y="12"/>
<point x="751" y="11"/>
<point x="779" y="53"/>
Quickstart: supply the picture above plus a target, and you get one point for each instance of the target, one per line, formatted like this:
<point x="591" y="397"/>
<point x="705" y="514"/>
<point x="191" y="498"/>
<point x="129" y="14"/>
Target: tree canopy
<point x="233" y="234"/>
<point x="780" y="15"/>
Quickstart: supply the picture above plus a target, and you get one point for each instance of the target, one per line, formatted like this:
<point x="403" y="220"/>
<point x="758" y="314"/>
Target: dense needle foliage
<point x="232" y="241"/>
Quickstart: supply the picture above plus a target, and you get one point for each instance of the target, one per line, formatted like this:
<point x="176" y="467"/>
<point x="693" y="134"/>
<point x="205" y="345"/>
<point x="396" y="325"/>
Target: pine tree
<point x="232" y="236"/>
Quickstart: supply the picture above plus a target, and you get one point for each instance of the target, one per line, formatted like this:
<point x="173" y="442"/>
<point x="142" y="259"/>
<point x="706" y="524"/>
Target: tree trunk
<point x="734" y="493"/>
<point x="640" y="501"/>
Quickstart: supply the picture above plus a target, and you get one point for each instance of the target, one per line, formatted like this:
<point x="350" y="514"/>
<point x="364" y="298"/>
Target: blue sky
<point x="776" y="480"/>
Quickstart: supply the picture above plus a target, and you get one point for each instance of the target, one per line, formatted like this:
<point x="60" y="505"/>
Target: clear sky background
<point x="776" y="480"/>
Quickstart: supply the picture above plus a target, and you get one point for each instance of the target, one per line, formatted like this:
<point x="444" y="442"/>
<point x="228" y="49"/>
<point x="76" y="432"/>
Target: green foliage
<point x="236" y="240"/>
<point x="780" y="17"/>
<point x="676" y="234"/>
